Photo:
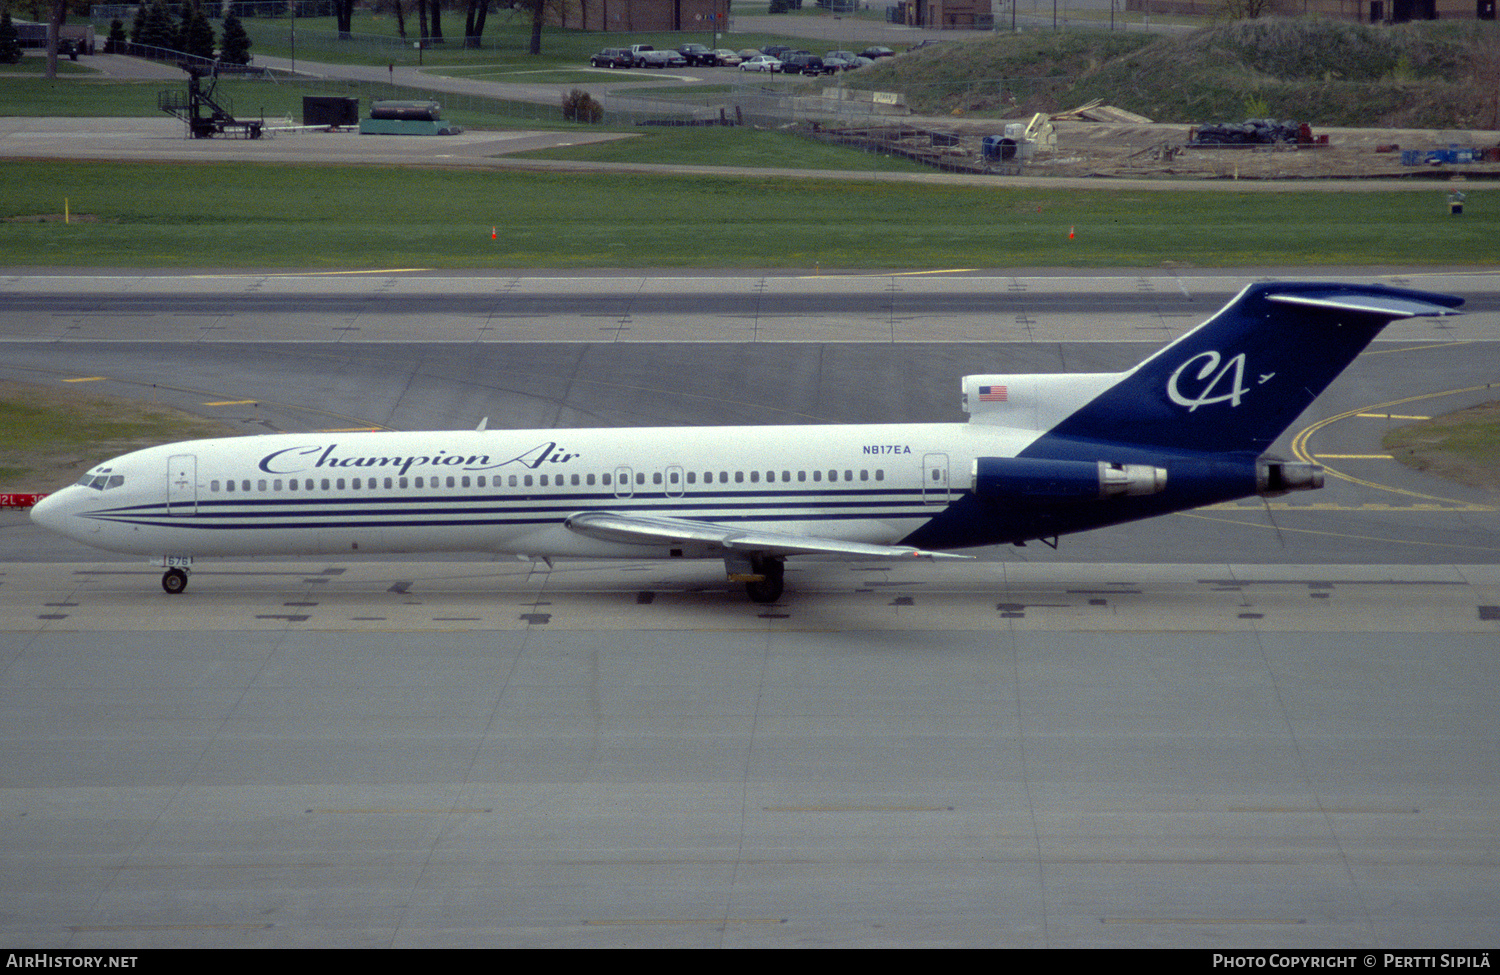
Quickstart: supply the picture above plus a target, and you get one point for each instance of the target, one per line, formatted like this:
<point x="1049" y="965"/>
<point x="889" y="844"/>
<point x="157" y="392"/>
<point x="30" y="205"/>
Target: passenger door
<point x="935" y="478"/>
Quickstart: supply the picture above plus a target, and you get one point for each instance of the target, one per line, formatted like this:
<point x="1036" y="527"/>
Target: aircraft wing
<point x="646" y="530"/>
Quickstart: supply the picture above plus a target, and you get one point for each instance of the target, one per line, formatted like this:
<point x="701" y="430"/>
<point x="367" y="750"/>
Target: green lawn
<point x="249" y="215"/>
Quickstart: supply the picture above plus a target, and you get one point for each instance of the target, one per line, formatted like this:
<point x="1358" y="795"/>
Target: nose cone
<point x="55" y="513"/>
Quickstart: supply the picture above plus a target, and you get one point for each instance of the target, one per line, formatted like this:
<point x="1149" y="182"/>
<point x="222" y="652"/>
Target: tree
<point x="54" y="32"/>
<point x="156" y="30"/>
<point x="117" y="40"/>
<point x="235" y="47"/>
<point x="197" y="34"/>
<point x="580" y="106"/>
<point x="343" y="12"/>
<point x="475" y="15"/>
<point x="10" y="45"/>
<point x="1246" y="9"/>
<point x="1484" y="67"/>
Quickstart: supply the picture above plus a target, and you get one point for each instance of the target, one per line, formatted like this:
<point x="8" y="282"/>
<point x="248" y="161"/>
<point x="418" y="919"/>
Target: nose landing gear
<point x="174" y="581"/>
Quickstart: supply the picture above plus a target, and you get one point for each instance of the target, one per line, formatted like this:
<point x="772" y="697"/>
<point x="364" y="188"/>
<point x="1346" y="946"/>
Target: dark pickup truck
<point x="699" y="56"/>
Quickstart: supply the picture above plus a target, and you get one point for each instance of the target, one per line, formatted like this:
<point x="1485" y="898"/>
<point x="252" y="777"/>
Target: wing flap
<point x="647" y="530"/>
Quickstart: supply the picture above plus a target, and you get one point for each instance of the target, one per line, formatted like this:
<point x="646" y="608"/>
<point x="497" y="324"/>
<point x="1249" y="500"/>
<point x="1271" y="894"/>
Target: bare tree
<point x="475" y="15"/>
<point x="54" y="32"/>
<point x="343" y="12"/>
<point x="1246" y="9"/>
<point x="1484" y="64"/>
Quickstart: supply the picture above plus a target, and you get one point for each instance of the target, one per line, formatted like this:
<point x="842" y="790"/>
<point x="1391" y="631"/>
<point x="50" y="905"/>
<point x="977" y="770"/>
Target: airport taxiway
<point x="1260" y="725"/>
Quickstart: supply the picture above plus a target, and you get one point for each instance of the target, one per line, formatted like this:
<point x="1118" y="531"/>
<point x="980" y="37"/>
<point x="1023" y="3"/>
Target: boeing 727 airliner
<point x="1040" y="456"/>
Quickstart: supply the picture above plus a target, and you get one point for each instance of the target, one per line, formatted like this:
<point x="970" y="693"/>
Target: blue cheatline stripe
<point x="482" y="512"/>
<point x="197" y="525"/>
<point x="530" y="504"/>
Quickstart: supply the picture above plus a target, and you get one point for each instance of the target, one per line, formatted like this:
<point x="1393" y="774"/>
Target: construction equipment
<point x="206" y="116"/>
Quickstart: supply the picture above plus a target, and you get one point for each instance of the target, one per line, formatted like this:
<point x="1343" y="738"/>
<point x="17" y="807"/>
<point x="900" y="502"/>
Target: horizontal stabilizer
<point x="645" y="530"/>
<point x="1386" y="306"/>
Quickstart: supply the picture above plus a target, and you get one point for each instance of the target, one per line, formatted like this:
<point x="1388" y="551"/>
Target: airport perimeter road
<point x="959" y="305"/>
<point x="1262" y="725"/>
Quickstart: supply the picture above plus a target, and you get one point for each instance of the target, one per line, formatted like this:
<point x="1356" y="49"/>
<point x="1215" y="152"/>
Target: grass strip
<point x="237" y="215"/>
<point x="1463" y="446"/>
<point x="52" y="436"/>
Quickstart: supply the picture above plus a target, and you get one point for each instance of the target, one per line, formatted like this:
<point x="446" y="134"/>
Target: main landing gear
<point x="174" y="581"/>
<point x="765" y="581"/>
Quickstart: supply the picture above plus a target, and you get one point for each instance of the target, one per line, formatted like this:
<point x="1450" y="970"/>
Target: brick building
<point x="957" y="14"/>
<point x="639" y="15"/>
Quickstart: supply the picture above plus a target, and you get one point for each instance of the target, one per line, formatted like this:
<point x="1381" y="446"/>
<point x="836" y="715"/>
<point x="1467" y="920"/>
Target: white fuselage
<point x="510" y="491"/>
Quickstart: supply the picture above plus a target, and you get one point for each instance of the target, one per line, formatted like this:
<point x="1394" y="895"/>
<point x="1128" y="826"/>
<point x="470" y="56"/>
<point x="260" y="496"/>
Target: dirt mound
<point x="1419" y="75"/>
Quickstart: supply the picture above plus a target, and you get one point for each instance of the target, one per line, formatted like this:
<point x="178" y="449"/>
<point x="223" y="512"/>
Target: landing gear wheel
<point x="770" y="588"/>
<point x="174" y="581"/>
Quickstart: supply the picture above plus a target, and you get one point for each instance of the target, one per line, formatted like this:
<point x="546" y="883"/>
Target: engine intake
<point x="1064" y="480"/>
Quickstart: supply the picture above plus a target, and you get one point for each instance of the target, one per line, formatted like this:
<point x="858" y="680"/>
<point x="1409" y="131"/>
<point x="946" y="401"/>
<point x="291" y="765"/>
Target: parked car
<point x="659" y="59"/>
<point x="761" y="62"/>
<point x="727" y="58"/>
<point x="804" y="64"/>
<point x="840" y="60"/>
<point x="876" y="53"/>
<point x="778" y="51"/>
<point x="699" y="56"/>
<point x="612" y="57"/>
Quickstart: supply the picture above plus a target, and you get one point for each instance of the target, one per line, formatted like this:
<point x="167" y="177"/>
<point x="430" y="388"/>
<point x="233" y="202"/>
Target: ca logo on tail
<point x="1216" y="375"/>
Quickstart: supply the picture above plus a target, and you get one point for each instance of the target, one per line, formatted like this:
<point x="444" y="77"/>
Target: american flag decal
<point x="992" y="394"/>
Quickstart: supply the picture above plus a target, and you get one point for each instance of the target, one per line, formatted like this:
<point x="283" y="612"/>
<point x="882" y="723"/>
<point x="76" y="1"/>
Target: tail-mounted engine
<point x="1063" y="480"/>
<point x="1274" y="478"/>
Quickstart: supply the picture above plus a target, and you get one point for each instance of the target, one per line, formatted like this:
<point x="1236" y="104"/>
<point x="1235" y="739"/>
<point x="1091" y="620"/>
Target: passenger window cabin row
<point x="673" y="477"/>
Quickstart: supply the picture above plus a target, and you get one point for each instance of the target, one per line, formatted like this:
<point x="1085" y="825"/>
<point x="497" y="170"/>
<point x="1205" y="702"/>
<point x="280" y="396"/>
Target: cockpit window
<point x="103" y="481"/>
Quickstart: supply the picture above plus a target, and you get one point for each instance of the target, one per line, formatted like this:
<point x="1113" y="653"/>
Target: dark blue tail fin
<point x="1233" y="384"/>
